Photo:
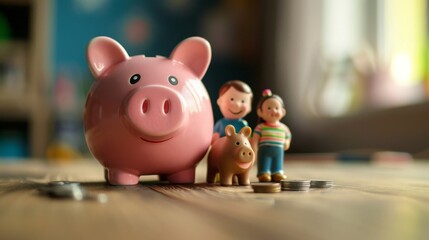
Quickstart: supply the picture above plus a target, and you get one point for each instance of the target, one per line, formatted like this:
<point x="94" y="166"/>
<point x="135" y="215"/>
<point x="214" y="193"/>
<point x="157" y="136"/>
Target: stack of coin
<point x="266" y="187"/>
<point x="295" y="185"/>
<point x="321" y="183"/>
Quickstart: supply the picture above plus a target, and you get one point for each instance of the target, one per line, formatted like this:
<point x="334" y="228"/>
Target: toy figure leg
<point x="277" y="166"/>
<point x="264" y="160"/>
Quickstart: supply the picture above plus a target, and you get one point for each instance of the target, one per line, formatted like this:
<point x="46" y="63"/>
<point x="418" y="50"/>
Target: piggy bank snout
<point x="156" y="112"/>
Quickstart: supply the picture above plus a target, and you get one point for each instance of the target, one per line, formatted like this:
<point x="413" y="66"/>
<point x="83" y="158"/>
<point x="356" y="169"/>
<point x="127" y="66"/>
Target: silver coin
<point x="60" y="189"/>
<point x="295" y="185"/>
<point x="295" y="182"/>
<point x="56" y="183"/>
<point x="73" y="191"/>
<point x="321" y="183"/>
<point x="296" y="188"/>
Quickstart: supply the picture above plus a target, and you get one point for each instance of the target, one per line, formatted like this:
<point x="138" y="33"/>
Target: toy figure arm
<point x="288" y="138"/>
<point x="219" y="127"/>
<point x="254" y="142"/>
<point x="286" y="145"/>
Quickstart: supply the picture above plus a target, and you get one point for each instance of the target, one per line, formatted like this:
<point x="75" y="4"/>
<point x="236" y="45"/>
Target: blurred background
<point x="354" y="74"/>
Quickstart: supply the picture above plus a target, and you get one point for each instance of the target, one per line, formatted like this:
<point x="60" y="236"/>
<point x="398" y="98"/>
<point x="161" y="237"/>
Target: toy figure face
<point x="271" y="111"/>
<point x="234" y="104"/>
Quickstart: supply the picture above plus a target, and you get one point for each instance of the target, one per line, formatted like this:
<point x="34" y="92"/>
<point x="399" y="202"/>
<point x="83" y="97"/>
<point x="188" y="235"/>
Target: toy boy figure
<point x="235" y="102"/>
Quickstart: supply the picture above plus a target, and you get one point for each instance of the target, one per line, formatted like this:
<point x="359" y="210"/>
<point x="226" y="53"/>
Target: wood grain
<point x="367" y="202"/>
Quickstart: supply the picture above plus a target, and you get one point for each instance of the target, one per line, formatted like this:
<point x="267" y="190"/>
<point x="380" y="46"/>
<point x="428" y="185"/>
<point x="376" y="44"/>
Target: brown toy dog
<point x="231" y="155"/>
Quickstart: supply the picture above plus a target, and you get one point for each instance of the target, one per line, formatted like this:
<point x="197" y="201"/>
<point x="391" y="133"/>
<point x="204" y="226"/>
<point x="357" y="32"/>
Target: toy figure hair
<point x="267" y="94"/>
<point x="238" y="85"/>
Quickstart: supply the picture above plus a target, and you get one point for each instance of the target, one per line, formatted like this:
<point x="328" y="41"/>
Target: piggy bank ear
<point x="229" y="130"/>
<point x="246" y="131"/>
<point x="103" y="53"/>
<point x="194" y="52"/>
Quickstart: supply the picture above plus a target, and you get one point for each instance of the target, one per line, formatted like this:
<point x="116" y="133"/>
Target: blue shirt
<point x="220" y="125"/>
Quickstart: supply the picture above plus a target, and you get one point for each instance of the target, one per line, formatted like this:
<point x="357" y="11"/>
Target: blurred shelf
<point x="11" y="108"/>
<point x="403" y="129"/>
<point x="24" y="51"/>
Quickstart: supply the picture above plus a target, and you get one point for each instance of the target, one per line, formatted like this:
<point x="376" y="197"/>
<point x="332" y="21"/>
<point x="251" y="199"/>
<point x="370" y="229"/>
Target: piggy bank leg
<point x="106" y="174"/>
<point x="118" y="177"/>
<point x="243" y="179"/>
<point x="183" y="177"/>
<point x="163" y="177"/>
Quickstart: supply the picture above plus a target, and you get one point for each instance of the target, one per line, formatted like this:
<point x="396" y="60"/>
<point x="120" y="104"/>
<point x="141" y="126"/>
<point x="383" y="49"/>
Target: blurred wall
<point x="299" y="49"/>
<point x="336" y="98"/>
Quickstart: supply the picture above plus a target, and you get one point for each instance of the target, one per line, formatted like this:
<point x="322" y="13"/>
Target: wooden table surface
<point x="367" y="202"/>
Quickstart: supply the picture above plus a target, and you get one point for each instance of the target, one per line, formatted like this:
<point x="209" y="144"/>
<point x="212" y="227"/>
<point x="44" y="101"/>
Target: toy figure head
<point x="235" y="99"/>
<point x="270" y="108"/>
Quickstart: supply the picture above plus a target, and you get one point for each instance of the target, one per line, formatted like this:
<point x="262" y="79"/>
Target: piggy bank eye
<point x="135" y="78"/>
<point x="173" y="80"/>
<point x="237" y="143"/>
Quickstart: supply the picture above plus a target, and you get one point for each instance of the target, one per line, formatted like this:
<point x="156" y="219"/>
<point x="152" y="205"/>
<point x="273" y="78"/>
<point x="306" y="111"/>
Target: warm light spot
<point x="401" y="69"/>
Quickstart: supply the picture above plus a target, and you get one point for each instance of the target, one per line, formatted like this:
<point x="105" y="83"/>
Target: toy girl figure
<point x="235" y="102"/>
<point x="270" y="138"/>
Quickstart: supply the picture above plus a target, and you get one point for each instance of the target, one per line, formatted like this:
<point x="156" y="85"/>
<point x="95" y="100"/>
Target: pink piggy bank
<point x="231" y="155"/>
<point x="148" y="115"/>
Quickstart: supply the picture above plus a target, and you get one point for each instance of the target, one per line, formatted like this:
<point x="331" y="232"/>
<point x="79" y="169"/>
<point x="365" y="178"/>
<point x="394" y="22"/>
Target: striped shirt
<point x="272" y="135"/>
